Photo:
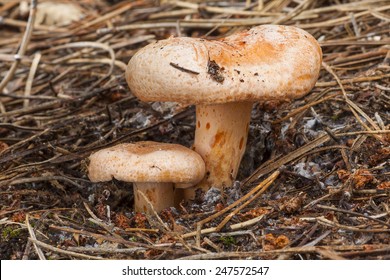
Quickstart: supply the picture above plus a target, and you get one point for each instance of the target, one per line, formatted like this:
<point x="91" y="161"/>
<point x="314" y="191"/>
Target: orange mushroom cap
<point x="267" y="62"/>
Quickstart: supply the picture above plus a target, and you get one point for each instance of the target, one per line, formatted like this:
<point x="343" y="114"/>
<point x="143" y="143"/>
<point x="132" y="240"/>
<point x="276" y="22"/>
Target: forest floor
<point x="314" y="182"/>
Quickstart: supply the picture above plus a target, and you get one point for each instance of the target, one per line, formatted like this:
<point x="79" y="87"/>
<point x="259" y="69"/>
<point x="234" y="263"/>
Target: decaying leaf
<point x="3" y="146"/>
<point x="384" y="185"/>
<point x="343" y="175"/>
<point x="121" y="221"/>
<point x="57" y="14"/>
<point x="294" y="204"/>
<point x="273" y="242"/>
<point x="361" y="178"/>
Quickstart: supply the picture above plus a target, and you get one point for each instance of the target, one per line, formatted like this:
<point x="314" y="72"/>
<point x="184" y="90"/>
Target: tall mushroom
<point x="224" y="78"/>
<point x="152" y="167"/>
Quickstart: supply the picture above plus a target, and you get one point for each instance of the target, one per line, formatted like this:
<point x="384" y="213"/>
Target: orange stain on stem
<point x="219" y="139"/>
<point x="241" y="143"/>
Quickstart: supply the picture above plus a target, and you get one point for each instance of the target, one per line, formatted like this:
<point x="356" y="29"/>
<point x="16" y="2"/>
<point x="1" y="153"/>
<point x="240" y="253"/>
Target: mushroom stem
<point x="220" y="138"/>
<point x="160" y="195"/>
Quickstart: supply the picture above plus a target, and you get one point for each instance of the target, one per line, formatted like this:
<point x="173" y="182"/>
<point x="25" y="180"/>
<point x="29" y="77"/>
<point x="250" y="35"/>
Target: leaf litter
<point x="313" y="184"/>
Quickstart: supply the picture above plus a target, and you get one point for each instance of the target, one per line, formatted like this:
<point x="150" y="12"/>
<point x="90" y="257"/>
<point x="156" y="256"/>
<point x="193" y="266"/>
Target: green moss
<point x="335" y="117"/>
<point x="228" y="240"/>
<point x="9" y="233"/>
<point x="133" y="239"/>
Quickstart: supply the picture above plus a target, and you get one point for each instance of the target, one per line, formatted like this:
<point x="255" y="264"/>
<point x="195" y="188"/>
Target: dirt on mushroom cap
<point x="267" y="62"/>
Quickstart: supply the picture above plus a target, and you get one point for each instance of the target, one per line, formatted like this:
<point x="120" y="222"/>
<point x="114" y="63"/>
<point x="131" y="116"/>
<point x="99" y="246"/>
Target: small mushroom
<point x="224" y="78"/>
<point x="152" y="167"/>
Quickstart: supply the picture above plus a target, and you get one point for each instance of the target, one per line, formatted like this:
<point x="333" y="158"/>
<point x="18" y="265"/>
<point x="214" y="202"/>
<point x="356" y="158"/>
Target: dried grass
<point x="63" y="96"/>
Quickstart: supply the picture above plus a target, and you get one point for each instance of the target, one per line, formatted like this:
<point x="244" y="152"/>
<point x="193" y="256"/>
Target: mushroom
<point x="224" y="78"/>
<point x="152" y="167"/>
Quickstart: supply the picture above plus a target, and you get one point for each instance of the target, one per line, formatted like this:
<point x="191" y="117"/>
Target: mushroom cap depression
<point x="146" y="161"/>
<point x="267" y="62"/>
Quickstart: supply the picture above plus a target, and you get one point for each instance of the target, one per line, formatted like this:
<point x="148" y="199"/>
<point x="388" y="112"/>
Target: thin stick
<point x="61" y="251"/>
<point x="329" y="223"/>
<point x="352" y="80"/>
<point x="272" y="164"/>
<point x="23" y="45"/>
<point x="264" y="186"/>
<point x="231" y="227"/>
<point x="247" y="223"/>
<point x="101" y="223"/>
<point x="31" y="74"/>
<point x="304" y="108"/>
<point x="293" y="250"/>
<point x="112" y="239"/>
<point x="95" y="45"/>
<point x="34" y="238"/>
<point x="353" y="213"/>
<point x="231" y="206"/>
<point x="354" y="108"/>
<point x="110" y="15"/>
<point x="255" y="190"/>
<point x="181" y="239"/>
